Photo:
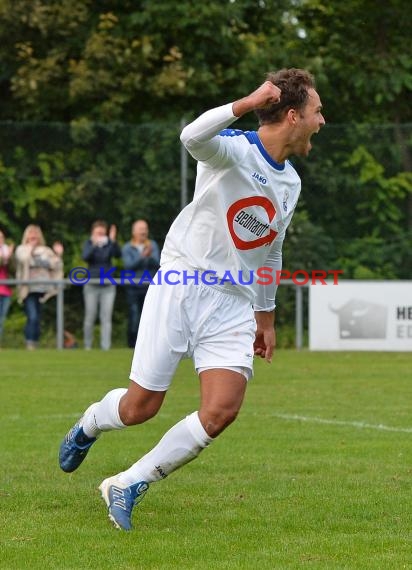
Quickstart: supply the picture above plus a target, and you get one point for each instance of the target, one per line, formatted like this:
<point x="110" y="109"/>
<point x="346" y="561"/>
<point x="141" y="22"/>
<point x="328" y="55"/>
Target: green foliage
<point x="359" y="51"/>
<point x="26" y="191"/>
<point x="80" y="172"/>
<point x="373" y="257"/>
<point x="307" y="246"/>
<point x="93" y="95"/>
<point x="382" y="197"/>
<point x="127" y="61"/>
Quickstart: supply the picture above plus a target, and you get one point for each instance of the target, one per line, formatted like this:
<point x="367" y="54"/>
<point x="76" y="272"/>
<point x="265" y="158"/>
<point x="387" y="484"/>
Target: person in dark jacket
<point x="98" y="251"/>
<point x="140" y="255"/>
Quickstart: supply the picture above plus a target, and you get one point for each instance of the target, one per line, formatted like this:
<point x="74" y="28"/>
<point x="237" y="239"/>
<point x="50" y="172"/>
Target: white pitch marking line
<point x="18" y="417"/>
<point x="360" y="425"/>
<point x="290" y="417"/>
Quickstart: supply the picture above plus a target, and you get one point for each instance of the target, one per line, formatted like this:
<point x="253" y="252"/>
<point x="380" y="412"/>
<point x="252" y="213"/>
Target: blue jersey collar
<point x="253" y="138"/>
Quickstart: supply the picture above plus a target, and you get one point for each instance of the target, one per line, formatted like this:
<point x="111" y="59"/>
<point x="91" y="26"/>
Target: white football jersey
<point x="242" y="205"/>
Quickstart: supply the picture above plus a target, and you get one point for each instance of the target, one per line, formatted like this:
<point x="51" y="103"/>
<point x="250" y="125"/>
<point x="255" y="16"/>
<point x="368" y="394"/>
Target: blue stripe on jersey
<point x="253" y="138"/>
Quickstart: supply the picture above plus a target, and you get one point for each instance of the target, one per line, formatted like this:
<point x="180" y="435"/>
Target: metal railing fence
<point x="61" y="284"/>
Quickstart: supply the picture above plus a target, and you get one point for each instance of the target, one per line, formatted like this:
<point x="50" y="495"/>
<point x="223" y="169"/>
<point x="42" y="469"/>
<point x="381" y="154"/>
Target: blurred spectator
<point x="98" y="251"/>
<point x="34" y="260"/>
<point x="142" y="256"/>
<point x="6" y="251"/>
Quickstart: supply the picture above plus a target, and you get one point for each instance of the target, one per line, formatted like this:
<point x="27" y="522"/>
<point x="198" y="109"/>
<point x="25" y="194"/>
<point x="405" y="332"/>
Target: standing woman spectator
<point x="6" y="251"/>
<point x="34" y="260"/>
<point x="98" y="251"/>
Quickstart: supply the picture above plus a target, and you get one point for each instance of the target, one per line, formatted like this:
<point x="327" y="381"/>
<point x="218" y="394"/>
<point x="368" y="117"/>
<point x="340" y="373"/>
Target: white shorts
<point x="215" y="328"/>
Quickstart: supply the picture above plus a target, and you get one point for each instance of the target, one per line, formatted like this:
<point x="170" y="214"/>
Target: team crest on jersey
<point x="285" y="201"/>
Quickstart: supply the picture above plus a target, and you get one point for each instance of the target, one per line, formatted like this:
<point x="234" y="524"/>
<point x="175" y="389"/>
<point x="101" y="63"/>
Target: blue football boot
<point x="120" y="500"/>
<point x="75" y="446"/>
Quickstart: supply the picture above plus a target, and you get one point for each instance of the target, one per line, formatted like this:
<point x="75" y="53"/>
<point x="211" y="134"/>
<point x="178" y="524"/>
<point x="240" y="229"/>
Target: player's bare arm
<point x="266" y="94"/>
<point x="265" y="340"/>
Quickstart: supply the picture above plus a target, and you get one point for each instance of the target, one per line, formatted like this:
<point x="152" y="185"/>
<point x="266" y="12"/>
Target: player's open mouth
<point x="309" y="139"/>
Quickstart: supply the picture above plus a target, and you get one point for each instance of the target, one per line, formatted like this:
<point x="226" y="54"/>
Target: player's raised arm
<point x="198" y="136"/>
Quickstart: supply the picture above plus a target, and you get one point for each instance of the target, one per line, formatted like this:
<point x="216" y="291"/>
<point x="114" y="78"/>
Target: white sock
<point x="104" y="416"/>
<point x="181" y="444"/>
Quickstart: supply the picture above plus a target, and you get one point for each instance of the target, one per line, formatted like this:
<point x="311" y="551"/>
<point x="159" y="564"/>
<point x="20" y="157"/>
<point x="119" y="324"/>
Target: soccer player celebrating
<point x="245" y="195"/>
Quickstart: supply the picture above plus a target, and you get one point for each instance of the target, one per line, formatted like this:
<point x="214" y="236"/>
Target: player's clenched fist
<point x="265" y="95"/>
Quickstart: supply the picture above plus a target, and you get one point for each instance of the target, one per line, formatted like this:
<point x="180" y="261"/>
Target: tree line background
<point x="93" y="95"/>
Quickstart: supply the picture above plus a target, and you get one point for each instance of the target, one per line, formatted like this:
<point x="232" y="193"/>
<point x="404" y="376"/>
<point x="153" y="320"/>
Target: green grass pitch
<point x="315" y="473"/>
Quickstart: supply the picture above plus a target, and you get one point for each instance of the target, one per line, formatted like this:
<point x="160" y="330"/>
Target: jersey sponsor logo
<point x="251" y="223"/>
<point x="239" y="218"/>
<point x="259" y="177"/>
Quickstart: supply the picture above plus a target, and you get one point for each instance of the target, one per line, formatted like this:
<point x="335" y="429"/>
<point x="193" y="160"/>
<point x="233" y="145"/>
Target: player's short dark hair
<point x="294" y="84"/>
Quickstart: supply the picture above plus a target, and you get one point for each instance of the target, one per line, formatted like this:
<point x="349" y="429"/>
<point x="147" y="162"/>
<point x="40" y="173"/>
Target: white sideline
<point x="288" y="417"/>
<point x="360" y="425"/>
<point x="19" y="417"/>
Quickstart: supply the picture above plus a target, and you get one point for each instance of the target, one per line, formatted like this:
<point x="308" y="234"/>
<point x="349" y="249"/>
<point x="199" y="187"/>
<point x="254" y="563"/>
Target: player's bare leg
<point x="222" y="393"/>
<point x="139" y="404"/>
